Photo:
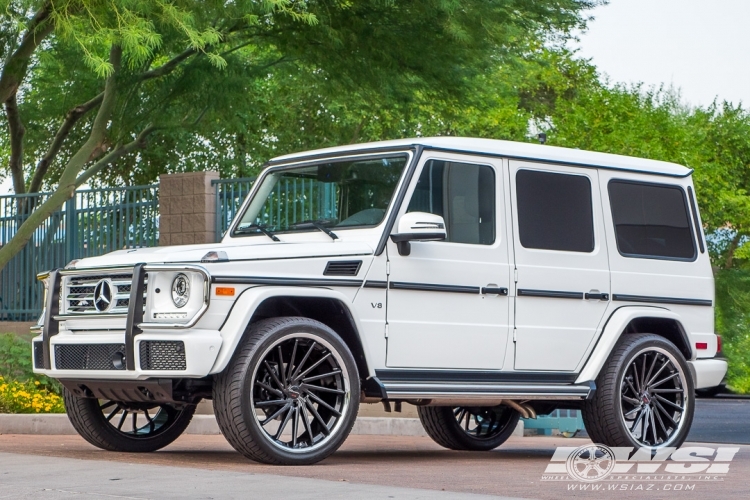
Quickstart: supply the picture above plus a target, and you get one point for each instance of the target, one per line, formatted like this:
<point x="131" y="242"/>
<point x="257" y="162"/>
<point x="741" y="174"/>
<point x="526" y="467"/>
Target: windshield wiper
<point x="256" y="227"/>
<point x="317" y="224"/>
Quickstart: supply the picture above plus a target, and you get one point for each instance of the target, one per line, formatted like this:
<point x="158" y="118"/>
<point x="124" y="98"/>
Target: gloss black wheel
<point x="653" y="397"/>
<point x="295" y="387"/>
<point x="468" y="428"/>
<point x="129" y="427"/>
<point x="644" y="397"/>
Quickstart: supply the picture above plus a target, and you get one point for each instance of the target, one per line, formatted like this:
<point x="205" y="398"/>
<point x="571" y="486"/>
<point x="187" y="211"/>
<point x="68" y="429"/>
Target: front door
<point x="448" y="305"/>
<point x="562" y="287"/>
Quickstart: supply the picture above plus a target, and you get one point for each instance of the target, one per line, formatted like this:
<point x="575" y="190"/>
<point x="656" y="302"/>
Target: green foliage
<point x="16" y="363"/>
<point x="269" y="77"/>
<point x="733" y="324"/>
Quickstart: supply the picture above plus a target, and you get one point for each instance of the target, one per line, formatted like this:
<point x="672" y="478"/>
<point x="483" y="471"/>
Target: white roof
<point x="511" y="149"/>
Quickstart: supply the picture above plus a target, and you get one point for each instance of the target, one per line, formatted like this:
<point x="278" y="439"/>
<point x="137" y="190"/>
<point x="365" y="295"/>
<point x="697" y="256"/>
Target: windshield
<point x="342" y="194"/>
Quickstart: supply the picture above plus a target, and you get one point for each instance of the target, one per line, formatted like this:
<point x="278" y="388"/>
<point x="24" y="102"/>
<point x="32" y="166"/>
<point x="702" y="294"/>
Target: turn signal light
<point x="701" y="345"/>
<point x="225" y="291"/>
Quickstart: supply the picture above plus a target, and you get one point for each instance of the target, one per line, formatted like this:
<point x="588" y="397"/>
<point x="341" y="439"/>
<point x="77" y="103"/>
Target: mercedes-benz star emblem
<point x="103" y="296"/>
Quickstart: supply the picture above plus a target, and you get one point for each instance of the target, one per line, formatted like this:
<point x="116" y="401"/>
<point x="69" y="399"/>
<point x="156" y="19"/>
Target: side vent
<point x="343" y="268"/>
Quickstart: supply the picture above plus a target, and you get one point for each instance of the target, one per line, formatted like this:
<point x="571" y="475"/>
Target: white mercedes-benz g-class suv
<point x="480" y="280"/>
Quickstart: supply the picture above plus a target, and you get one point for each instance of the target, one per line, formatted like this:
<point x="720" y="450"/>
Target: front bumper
<point x="708" y="372"/>
<point x="177" y="350"/>
<point x="83" y="355"/>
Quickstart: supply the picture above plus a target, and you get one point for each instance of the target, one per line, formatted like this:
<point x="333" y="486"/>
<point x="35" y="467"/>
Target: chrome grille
<point x="79" y="291"/>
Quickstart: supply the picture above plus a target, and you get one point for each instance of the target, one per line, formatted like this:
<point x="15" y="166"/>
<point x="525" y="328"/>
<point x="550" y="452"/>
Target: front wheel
<point x="644" y="397"/>
<point x="128" y="427"/>
<point x="468" y="428"/>
<point x="290" y="395"/>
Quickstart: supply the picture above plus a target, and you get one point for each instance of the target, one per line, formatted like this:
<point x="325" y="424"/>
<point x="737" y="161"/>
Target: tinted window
<point x="463" y="194"/>
<point x="651" y="220"/>
<point x="554" y="211"/>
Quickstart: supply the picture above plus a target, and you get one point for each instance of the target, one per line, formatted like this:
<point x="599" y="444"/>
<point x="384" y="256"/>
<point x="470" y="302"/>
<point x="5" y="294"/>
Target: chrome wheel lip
<point x="685" y="395"/>
<point x="336" y="429"/>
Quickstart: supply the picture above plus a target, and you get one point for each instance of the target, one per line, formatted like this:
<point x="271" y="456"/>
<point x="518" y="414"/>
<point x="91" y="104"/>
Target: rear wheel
<point x="468" y="428"/>
<point x="128" y="427"/>
<point x="644" y="396"/>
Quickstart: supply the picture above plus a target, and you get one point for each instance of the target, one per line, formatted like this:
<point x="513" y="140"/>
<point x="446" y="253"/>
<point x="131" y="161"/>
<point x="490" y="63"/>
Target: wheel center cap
<point x="294" y="392"/>
<point x="645" y="398"/>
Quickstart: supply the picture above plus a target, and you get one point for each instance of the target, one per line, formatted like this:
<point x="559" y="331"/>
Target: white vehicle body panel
<point x="452" y="324"/>
<point x="553" y="333"/>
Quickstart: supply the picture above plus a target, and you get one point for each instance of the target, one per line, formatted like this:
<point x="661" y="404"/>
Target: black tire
<point x="254" y="386"/>
<point x="468" y="428"/>
<point x="162" y="423"/>
<point x="621" y="399"/>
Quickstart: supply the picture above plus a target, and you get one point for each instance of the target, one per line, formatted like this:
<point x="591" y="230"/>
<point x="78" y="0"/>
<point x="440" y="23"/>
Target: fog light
<point x="118" y="361"/>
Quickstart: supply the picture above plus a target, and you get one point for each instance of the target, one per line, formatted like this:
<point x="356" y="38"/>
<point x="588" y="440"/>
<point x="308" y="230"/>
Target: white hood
<point x="239" y="251"/>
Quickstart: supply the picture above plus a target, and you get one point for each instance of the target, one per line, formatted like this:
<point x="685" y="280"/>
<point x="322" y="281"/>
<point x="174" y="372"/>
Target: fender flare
<point x="248" y="301"/>
<point x="613" y="328"/>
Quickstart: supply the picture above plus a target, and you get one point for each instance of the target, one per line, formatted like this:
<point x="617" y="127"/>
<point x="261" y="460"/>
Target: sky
<point x="701" y="47"/>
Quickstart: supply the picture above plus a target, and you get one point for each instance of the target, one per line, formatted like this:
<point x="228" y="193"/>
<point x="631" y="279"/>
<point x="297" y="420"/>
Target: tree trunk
<point x="729" y="261"/>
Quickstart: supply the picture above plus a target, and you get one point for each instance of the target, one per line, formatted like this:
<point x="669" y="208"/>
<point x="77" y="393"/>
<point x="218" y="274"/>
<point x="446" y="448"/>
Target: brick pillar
<point x="187" y="205"/>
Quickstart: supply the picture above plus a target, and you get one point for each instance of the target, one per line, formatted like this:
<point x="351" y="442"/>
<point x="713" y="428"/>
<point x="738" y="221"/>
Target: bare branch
<point x="71" y="118"/>
<point x="17" y="64"/>
<point x="97" y="136"/>
<point x="67" y="185"/>
<point x="167" y="67"/>
<point x="17" y="131"/>
<point x="115" y="154"/>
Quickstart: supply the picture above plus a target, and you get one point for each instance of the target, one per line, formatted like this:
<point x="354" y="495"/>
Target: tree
<point x="87" y="85"/>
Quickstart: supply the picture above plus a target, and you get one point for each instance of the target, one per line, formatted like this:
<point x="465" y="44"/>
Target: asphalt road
<point x="721" y="420"/>
<point x="366" y="467"/>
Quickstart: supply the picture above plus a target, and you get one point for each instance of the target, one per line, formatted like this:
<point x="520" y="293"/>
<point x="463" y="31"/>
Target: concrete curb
<point x="58" y="424"/>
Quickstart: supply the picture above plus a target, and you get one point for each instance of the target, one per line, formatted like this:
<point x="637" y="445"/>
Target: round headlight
<point x="180" y="290"/>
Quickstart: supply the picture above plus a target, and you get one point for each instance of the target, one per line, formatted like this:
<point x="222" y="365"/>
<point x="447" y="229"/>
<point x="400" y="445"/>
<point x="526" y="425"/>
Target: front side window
<point x="651" y="220"/>
<point x="463" y="194"/>
<point x="342" y="194"/>
<point x="554" y="211"/>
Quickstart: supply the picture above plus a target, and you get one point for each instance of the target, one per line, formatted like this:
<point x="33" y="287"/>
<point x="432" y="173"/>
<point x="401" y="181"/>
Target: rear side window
<point x="651" y="220"/>
<point x="554" y="211"/>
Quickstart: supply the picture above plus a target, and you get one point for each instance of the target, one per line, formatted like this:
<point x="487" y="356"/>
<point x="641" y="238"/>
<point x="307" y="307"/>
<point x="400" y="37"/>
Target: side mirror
<point x="418" y="226"/>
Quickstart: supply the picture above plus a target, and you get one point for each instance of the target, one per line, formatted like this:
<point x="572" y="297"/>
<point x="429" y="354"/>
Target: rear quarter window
<point x="651" y="220"/>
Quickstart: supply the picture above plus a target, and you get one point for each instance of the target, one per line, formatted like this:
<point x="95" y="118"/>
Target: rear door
<point x="563" y="285"/>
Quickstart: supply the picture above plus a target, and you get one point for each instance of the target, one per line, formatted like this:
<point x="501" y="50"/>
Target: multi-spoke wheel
<point x="132" y="427"/>
<point x="468" y="428"/>
<point x="644" y="396"/>
<point x="295" y="385"/>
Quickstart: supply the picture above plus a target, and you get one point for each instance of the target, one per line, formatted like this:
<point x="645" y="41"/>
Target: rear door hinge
<point x="515" y="275"/>
<point x="514" y="334"/>
<point x="386" y="330"/>
<point x="388" y="267"/>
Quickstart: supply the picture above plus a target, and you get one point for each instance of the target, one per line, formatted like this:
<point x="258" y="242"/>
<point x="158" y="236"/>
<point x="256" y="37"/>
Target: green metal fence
<point x="230" y="193"/>
<point x="93" y="222"/>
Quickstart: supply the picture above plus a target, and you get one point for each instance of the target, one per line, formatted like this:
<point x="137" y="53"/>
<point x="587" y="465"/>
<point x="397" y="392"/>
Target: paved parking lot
<point x="365" y="467"/>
